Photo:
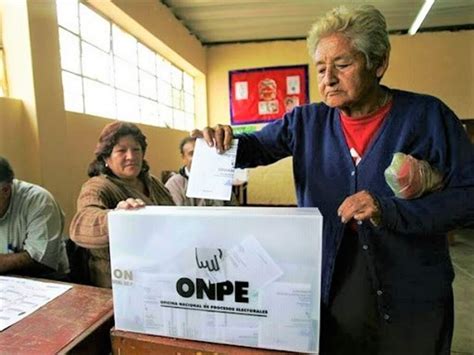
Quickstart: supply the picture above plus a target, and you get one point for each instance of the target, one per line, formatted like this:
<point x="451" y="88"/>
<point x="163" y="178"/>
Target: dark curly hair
<point x="6" y="171"/>
<point x="108" y="138"/>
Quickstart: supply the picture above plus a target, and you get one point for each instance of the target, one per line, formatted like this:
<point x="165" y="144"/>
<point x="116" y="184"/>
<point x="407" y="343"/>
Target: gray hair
<point x="364" y="26"/>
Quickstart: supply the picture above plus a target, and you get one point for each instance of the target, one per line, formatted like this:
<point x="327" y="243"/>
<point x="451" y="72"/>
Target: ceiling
<point x="231" y="21"/>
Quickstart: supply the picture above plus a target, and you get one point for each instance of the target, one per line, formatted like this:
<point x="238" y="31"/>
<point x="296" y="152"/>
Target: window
<point x="108" y="72"/>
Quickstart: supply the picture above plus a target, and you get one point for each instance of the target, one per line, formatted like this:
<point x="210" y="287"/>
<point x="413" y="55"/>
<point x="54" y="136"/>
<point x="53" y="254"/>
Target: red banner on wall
<point x="265" y="94"/>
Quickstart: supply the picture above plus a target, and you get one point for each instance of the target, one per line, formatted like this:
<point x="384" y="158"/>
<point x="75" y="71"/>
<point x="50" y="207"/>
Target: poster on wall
<point x="262" y="95"/>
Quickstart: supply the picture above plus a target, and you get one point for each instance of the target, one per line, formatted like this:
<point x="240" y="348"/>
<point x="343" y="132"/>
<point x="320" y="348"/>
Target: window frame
<point x="172" y="95"/>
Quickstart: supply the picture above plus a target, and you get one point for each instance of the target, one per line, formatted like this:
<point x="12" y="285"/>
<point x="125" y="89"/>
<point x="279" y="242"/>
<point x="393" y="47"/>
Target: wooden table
<point x="77" y="322"/>
<point x="141" y="344"/>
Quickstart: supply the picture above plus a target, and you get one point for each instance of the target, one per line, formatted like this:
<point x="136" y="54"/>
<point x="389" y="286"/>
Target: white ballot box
<point x="235" y="275"/>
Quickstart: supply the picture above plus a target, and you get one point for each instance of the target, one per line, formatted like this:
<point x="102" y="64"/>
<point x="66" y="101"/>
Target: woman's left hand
<point x="361" y="206"/>
<point x="130" y="204"/>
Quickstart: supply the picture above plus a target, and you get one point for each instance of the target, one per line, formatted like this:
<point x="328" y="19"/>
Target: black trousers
<point x="351" y="323"/>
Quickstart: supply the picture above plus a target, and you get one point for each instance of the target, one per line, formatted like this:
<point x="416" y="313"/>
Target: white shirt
<point x="34" y="223"/>
<point x="177" y="185"/>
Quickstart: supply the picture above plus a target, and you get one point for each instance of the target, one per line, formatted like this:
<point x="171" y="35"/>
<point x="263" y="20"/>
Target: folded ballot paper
<point x="236" y="275"/>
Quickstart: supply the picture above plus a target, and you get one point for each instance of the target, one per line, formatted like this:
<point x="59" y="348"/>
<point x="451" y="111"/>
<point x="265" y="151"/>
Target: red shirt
<point x="360" y="131"/>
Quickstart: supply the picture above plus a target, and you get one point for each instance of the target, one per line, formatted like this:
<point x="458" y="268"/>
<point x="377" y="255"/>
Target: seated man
<point x="177" y="184"/>
<point x="31" y="226"/>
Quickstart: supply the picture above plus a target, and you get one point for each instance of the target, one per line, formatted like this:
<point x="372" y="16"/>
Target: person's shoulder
<point x="30" y="189"/>
<point x="96" y="181"/>
<point x="408" y="98"/>
<point x="312" y="110"/>
<point x="97" y="185"/>
<point x="427" y="114"/>
<point x="175" y="179"/>
<point x="308" y="116"/>
<point x="425" y="106"/>
<point x="158" y="185"/>
<point x="32" y="192"/>
<point x="153" y="179"/>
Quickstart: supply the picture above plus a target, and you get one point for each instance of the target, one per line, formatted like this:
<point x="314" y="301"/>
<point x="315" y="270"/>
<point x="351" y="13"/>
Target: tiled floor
<point x="462" y="255"/>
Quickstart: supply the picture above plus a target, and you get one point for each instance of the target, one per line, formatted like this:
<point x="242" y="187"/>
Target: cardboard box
<point x="235" y="275"/>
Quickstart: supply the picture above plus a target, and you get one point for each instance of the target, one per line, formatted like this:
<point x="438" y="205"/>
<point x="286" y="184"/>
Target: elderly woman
<point x="387" y="274"/>
<point x="119" y="179"/>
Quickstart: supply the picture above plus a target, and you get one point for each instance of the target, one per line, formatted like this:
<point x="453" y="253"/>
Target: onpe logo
<point x="126" y="275"/>
<point x="208" y="258"/>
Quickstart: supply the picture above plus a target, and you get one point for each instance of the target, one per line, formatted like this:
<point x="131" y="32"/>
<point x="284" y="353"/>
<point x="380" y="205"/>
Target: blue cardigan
<point x="407" y="255"/>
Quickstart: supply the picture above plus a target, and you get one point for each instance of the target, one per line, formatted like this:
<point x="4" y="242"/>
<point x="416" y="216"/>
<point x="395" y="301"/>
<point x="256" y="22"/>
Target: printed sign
<point x="265" y="94"/>
<point x="183" y="272"/>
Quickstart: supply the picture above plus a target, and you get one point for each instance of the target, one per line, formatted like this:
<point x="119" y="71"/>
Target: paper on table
<point x="20" y="297"/>
<point x="211" y="172"/>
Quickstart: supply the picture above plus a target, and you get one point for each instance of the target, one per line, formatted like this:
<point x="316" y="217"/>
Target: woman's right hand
<point x="221" y="136"/>
<point x="130" y="204"/>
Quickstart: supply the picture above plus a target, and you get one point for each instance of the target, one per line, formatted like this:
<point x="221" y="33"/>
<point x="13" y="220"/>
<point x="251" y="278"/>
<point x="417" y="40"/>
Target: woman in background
<point x="119" y="179"/>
